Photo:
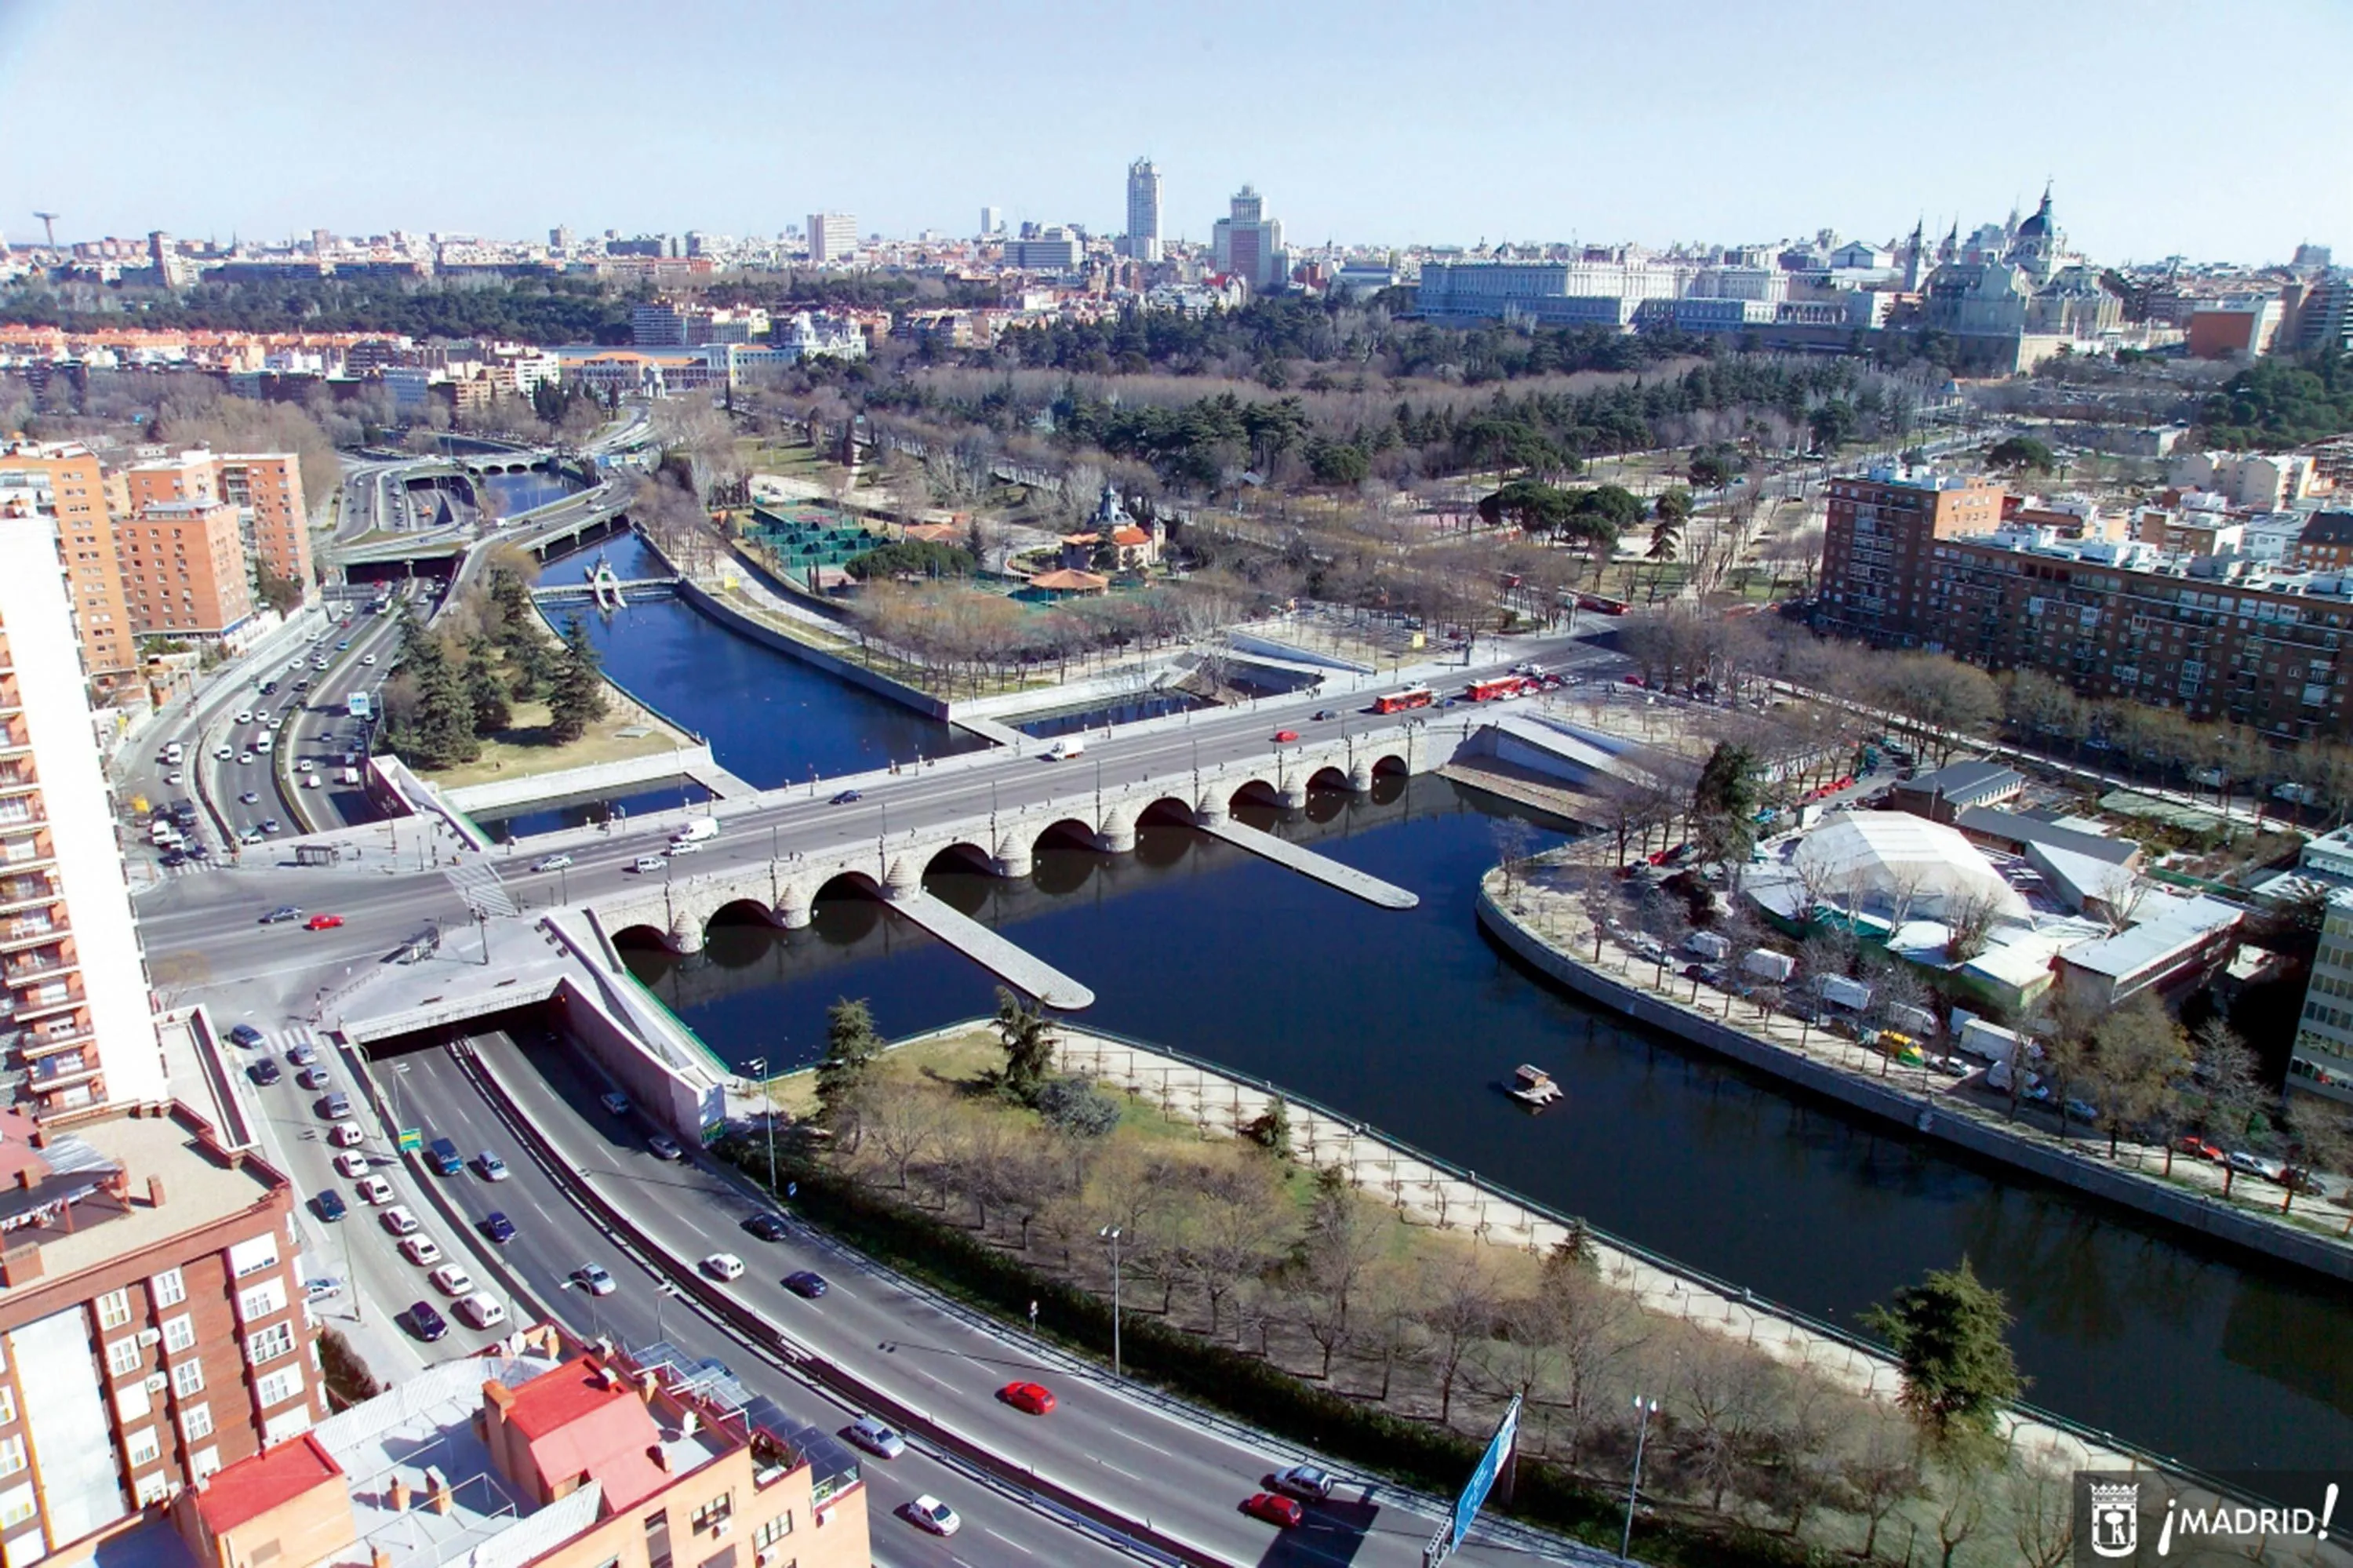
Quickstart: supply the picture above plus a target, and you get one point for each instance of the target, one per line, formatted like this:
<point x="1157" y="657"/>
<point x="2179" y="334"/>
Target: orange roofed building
<point x="542" y="1454"/>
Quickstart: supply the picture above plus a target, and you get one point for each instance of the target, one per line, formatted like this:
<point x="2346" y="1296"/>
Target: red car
<point x="1034" y="1397"/>
<point x="1275" y="1509"/>
<point x="323" y="922"/>
<point x="2199" y="1146"/>
<point x="1285" y="735"/>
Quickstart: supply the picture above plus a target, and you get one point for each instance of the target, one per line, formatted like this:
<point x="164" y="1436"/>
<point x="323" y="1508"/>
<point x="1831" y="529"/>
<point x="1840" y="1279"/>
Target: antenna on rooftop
<point x="50" y="222"/>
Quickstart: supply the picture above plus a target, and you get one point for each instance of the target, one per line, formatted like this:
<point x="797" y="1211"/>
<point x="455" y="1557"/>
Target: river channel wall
<point x="1888" y="1104"/>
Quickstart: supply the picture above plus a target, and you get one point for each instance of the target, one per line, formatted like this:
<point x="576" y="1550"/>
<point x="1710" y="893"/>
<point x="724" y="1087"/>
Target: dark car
<point x="806" y="1283"/>
<point x="282" y="913"/>
<point x="425" y="1322"/>
<point x="498" y="1227"/>
<point x="1325" y="716"/>
<point x="302" y="1056"/>
<point x="174" y="859"/>
<point x="847" y="797"/>
<point x="329" y="1206"/>
<point x="243" y="1035"/>
<point x="768" y="1226"/>
<point x="265" y="1073"/>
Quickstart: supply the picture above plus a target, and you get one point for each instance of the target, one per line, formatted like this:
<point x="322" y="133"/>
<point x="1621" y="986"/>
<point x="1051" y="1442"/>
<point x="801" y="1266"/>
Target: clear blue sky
<point x="2168" y="126"/>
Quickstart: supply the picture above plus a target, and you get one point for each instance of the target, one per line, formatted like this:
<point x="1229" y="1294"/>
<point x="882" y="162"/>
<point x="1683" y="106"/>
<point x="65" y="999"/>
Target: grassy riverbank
<point x="1285" y="1296"/>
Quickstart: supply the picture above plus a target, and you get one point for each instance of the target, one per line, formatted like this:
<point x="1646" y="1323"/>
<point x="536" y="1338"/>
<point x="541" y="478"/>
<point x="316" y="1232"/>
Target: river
<point x="1408" y="1021"/>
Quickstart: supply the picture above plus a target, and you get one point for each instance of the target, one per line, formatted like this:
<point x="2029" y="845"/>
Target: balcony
<point x="38" y="1044"/>
<point x="29" y="970"/>
<point x="16" y="936"/>
<point x="25" y="854"/>
<point x="23" y="895"/>
<point x="49" y="1001"/>
<point x="61" y="1072"/>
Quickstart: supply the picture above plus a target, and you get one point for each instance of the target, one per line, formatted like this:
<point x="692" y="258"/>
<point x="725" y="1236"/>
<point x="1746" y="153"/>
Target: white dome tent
<point x="1892" y="867"/>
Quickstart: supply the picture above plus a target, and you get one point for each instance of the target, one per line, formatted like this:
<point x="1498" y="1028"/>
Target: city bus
<point x="1501" y="686"/>
<point x="1600" y="603"/>
<point x="1398" y="702"/>
<point x="360" y="707"/>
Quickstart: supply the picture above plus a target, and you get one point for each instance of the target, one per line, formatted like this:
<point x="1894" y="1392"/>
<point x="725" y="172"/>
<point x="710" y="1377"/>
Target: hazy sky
<point x="2168" y="126"/>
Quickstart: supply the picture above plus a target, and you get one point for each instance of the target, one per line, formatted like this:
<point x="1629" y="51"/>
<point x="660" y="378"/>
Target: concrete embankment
<point x="2072" y="1165"/>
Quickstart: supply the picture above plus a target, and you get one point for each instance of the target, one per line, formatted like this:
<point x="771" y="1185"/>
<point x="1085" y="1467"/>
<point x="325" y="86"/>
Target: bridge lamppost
<point x="758" y="1067"/>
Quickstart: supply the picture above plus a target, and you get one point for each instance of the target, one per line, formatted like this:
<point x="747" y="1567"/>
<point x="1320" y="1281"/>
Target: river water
<point x="1409" y="1022"/>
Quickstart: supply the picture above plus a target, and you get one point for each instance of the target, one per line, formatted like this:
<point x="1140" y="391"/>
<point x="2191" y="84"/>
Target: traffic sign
<point x="411" y="1139"/>
<point x="1499" y="1453"/>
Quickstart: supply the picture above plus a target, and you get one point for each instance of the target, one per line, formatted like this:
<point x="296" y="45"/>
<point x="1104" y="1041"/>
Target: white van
<point x="480" y="1310"/>
<point x="1065" y="748"/>
<point x="696" y="830"/>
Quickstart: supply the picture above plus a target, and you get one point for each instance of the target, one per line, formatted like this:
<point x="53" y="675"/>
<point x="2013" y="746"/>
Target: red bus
<point x="1398" y="702"/>
<point x="1595" y="601"/>
<point x="1501" y="686"/>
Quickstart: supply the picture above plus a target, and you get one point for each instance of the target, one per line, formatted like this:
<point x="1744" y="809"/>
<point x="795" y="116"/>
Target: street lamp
<point x="1642" y="1414"/>
<point x="1111" y="1234"/>
<point x="758" y="1066"/>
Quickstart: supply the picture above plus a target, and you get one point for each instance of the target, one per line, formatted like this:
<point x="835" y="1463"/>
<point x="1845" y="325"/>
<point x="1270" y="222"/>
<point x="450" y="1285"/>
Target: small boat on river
<point x="1534" y="1087"/>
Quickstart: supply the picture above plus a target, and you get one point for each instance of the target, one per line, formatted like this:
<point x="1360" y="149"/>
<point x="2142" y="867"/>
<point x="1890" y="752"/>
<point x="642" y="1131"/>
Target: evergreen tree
<point x="577" y="699"/>
<point x="1029" y="1049"/>
<point x="851" y="1046"/>
<point x="487" y="692"/>
<point x="1725" y="803"/>
<point x="1959" y="1373"/>
<point x="439" y="732"/>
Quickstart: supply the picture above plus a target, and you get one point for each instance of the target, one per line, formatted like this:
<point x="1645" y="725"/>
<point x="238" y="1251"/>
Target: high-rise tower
<point x="1143" y="242"/>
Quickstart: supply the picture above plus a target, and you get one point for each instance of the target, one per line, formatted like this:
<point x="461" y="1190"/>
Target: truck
<point x="1840" y="991"/>
<point x="360" y="706"/>
<point x="696" y="830"/>
<point x="1707" y="945"/>
<point x="1989" y="1041"/>
<point x="1065" y="748"/>
<point x="1767" y="964"/>
<point x="349" y="778"/>
<point x="443" y="1156"/>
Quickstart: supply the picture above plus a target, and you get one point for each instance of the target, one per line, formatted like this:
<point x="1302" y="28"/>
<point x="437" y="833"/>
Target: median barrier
<point x="686" y="1276"/>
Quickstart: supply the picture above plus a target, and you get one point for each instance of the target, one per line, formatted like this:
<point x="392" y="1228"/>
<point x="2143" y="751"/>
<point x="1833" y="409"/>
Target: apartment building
<point x="80" y="1027"/>
<point x="2221" y="638"/>
<point x="183" y="567"/>
<point x="152" y="1318"/>
<point x="832" y="237"/>
<point x="86" y="547"/>
<point x="551" y="1455"/>
<point x="266" y="488"/>
<point x="2321" y="1062"/>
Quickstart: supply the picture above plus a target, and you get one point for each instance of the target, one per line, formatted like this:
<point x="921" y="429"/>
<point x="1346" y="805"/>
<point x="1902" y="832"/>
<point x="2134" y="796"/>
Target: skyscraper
<point x="1142" y="241"/>
<point x="832" y="237"/>
<point x="1248" y="245"/>
<point x="992" y="221"/>
<point x="81" y="1013"/>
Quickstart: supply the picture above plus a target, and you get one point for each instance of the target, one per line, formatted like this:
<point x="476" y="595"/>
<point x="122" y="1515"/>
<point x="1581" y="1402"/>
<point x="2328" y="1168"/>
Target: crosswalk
<point x="278" y="1042"/>
<point x="477" y="882"/>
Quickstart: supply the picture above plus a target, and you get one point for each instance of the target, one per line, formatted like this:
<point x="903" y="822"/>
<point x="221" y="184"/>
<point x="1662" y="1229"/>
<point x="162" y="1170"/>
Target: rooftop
<point x="1965" y="778"/>
<point x="79" y="1224"/>
<point x="243" y="1493"/>
<point x="2022" y="828"/>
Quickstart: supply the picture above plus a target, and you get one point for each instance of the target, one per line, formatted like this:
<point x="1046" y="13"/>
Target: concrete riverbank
<point x="1540" y="918"/>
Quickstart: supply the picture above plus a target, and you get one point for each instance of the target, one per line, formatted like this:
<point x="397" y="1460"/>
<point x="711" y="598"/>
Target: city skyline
<point x="1370" y="151"/>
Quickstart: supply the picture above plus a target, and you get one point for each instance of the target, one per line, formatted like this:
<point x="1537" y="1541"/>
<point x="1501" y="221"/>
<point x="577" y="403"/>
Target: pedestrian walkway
<point x="477" y="882"/>
<point x="1030" y="975"/>
<point x="1307" y="862"/>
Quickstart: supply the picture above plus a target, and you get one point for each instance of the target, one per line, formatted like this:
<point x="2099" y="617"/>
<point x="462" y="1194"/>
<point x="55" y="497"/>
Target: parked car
<point x="317" y="1290"/>
<point x="1282" y="1512"/>
<point x="2198" y="1147"/>
<point x="809" y="1284"/>
<point x="1033" y="1397"/>
<point x="425" y="1322"/>
<point x="875" y="1439"/>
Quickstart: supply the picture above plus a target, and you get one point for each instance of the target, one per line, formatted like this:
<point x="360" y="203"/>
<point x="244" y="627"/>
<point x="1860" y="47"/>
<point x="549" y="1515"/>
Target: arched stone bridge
<point x="678" y="907"/>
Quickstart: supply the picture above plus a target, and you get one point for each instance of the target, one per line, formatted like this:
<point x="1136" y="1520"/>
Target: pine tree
<point x="851" y="1045"/>
<point x="441" y="728"/>
<point x="1959" y="1372"/>
<point x="578" y="700"/>
<point x="488" y="695"/>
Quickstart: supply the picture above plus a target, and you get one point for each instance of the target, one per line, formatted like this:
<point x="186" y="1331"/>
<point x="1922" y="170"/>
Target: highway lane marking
<point x="1141" y="1444"/>
<point x="1107" y="1464"/>
<point x="1009" y="1542"/>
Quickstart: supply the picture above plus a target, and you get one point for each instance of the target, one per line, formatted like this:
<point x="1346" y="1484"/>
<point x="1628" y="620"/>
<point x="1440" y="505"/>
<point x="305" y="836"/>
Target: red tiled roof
<point x="1069" y="582"/>
<point x="1130" y="535"/>
<point x="576" y="1425"/>
<point x="252" y="1487"/>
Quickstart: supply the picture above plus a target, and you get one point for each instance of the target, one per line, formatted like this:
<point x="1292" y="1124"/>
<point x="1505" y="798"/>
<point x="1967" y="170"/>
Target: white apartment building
<point x="2321" y="1060"/>
<point x="832" y="237"/>
<point x="80" y="1028"/>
